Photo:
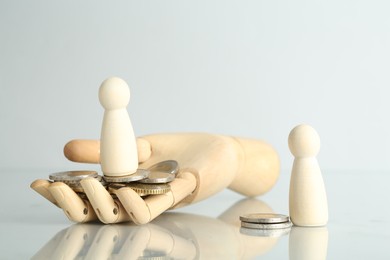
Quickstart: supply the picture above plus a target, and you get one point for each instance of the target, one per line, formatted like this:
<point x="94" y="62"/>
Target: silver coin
<point x="141" y="189"/>
<point x="162" y="172"/>
<point x="72" y="176"/>
<point x="265" y="232"/>
<point x="264" y="218"/>
<point x="150" y="189"/>
<point x="169" y="166"/>
<point x="76" y="186"/>
<point x="266" y="226"/>
<point x="140" y="174"/>
<point x="158" y="177"/>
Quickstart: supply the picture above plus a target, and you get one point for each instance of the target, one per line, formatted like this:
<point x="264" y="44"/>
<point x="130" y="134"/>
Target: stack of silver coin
<point x="265" y="224"/>
<point x="152" y="181"/>
<point x="73" y="178"/>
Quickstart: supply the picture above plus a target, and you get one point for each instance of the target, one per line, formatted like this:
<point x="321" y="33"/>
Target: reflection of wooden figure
<point x="209" y="163"/>
<point x="308" y="203"/>
<point x="308" y="243"/>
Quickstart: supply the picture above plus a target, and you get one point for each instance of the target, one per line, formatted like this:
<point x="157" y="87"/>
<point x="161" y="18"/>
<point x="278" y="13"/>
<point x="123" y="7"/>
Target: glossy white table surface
<point x="358" y="228"/>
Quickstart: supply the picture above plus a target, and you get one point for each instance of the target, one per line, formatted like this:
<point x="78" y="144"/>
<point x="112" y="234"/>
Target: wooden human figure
<point x="307" y="200"/>
<point x="118" y="149"/>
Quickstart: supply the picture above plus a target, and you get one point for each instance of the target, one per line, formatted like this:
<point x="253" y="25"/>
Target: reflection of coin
<point x="265" y="232"/>
<point x="138" y="175"/>
<point x="72" y="176"/>
<point x="264" y="218"/>
<point x="169" y="166"/>
<point x="158" y="177"/>
<point x="266" y="226"/>
<point x="154" y="256"/>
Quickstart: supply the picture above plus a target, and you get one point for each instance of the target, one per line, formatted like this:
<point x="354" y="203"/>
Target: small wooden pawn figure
<point x="307" y="200"/>
<point x="118" y="150"/>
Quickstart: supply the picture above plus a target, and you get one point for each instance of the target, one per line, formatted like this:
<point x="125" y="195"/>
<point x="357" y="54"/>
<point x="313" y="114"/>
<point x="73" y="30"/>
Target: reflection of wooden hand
<point x="208" y="164"/>
<point x="171" y="236"/>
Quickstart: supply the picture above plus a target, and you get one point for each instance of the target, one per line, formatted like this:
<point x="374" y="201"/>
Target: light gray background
<point x="245" y="68"/>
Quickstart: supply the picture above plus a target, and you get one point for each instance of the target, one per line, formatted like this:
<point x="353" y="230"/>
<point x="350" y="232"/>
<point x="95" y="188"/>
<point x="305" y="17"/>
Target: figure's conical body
<point x="307" y="200"/>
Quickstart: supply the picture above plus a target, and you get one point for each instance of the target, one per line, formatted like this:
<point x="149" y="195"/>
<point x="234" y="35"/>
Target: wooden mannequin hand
<point x="208" y="163"/>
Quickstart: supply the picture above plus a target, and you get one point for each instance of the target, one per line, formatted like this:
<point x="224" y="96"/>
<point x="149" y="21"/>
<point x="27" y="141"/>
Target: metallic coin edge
<point x="170" y="177"/>
<point x="279" y="218"/>
<point x="266" y="226"/>
<point x="64" y="176"/>
<point x="150" y="189"/>
<point x="174" y="170"/>
<point x="140" y="188"/>
<point x="140" y="174"/>
<point x="151" y="192"/>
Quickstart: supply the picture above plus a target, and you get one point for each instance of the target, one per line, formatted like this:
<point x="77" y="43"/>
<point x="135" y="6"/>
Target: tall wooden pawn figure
<point x="308" y="203"/>
<point x="118" y="149"/>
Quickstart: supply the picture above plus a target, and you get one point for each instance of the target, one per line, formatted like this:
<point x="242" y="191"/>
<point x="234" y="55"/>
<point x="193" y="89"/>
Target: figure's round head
<point x="114" y="93"/>
<point x="304" y="141"/>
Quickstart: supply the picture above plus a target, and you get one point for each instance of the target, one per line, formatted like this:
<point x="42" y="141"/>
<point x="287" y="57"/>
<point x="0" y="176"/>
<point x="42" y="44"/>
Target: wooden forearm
<point x="259" y="169"/>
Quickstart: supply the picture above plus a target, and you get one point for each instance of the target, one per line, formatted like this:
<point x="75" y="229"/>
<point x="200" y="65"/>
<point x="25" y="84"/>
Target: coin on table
<point x="72" y="176"/>
<point x="264" y="218"/>
<point x="138" y="175"/>
<point x="266" y="226"/>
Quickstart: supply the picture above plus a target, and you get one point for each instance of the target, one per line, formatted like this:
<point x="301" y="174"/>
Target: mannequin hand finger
<point x="134" y="205"/>
<point x="42" y="187"/>
<point x="88" y="151"/>
<point x="145" y="210"/>
<point x="74" y="207"/>
<point x="107" y="209"/>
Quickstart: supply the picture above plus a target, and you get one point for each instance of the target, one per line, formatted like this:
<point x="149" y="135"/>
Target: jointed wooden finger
<point x="145" y="210"/>
<point x="106" y="208"/>
<point x="75" y="208"/>
<point x="42" y="187"/>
